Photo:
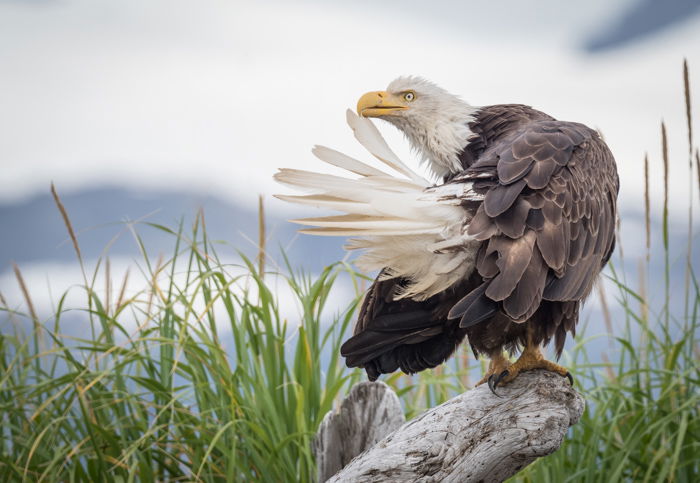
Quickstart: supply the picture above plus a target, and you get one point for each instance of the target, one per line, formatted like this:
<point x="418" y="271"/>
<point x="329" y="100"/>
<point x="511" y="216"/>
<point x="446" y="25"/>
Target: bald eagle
<point x="502" y="250"/>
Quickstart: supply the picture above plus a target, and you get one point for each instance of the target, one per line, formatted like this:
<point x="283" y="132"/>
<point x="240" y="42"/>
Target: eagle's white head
<point x="435" y="122"/>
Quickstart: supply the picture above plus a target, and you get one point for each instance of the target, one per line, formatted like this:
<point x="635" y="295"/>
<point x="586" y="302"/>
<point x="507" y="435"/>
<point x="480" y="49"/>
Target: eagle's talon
<point x="499" y="378"/>
<point x="493" y="382"/>
<point x="501" y="372"/>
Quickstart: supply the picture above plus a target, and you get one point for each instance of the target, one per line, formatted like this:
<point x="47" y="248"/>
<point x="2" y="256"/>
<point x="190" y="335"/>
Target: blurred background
<point x="149" y="111"/>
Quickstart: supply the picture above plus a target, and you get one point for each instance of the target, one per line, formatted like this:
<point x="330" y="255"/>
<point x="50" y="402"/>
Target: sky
<point x="213" y="96"/>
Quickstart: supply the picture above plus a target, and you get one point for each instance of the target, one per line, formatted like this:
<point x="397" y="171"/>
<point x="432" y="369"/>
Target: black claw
<point x="493" y="382"/>
<point x="570" y="377"/>
<point x="492" y="378"/>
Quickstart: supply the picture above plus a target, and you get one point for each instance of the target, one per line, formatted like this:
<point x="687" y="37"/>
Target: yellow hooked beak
<point x="380" y="103"/>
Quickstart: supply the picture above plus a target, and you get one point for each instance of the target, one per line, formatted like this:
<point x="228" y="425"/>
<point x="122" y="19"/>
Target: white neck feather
<point x="439" y="134"/>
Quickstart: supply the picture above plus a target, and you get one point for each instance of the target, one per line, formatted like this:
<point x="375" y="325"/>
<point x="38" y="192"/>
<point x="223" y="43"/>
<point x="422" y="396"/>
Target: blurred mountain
<point x="34" y="231"/>
<point x="642" y="19"/>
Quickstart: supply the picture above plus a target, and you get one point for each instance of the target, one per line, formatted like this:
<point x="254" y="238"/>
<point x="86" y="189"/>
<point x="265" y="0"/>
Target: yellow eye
<point x="409" y="96"/>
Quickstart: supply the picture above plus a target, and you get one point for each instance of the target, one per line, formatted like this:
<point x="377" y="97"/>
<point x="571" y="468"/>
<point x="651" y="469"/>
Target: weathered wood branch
<point x="370" y="412"/>
<point x="475" y="436"/>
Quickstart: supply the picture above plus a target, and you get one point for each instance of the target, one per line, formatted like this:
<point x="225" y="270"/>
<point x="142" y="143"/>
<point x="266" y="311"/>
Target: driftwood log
<point x="370" y="412"/>
<point x="473" y="437"/>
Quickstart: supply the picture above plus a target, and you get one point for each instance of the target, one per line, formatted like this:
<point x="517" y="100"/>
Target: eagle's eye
<point x="409" y="96"/>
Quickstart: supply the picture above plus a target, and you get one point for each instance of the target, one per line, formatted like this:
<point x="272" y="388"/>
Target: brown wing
<point x="547" y="219"/>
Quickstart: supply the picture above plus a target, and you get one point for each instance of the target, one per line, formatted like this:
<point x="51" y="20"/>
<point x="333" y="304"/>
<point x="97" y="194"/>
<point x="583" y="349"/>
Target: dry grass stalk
<point x="643" y="292"/>
<point x="688" y="115"/>
<point x="647" y="205"/>
<point x="664" y="152"/>
<point x="25" y="293"/>
<point x="688" y="111"/>
<point x="667" y="276"/>
<point x="66" y="221"/>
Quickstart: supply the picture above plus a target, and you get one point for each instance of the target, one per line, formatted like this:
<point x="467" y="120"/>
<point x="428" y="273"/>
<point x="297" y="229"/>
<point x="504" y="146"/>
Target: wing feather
<point x="548" y="215"/>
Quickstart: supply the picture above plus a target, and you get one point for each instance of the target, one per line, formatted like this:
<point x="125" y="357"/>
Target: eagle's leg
<point x="531" y="358"/>
<point x="497" y="365"/>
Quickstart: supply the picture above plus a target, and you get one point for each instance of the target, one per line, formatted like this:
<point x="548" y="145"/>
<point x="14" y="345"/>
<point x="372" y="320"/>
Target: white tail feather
<point x="408" y="229"/>
<point x="336" y="158"/>
<point x="372" y="231"/>
<point x="369" y="136"/>
<point x="371" y="223"/>
<point x="331" y="203"/>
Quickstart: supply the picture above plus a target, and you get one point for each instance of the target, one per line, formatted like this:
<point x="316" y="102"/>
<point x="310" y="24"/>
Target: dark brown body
<point x="546" y="226"/>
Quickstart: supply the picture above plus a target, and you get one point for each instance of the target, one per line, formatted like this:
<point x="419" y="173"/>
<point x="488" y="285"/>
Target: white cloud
<point x="216" y="95"/>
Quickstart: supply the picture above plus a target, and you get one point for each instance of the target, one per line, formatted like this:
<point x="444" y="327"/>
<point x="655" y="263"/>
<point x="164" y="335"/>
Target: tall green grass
<point x="198" y="376"/>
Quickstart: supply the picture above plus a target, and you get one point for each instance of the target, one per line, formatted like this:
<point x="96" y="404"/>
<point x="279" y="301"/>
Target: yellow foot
<point x="530" y="359"/>
<point x="497" y="365"/>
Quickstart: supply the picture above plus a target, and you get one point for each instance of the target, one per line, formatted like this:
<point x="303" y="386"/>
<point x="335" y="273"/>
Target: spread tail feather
<point x="376" y="203"/>
<point x="389" y="211"/>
